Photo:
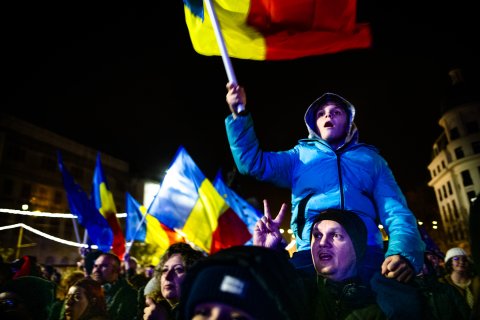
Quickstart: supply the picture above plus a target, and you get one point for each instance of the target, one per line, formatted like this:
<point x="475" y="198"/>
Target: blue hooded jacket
<point x="353" y="177"/>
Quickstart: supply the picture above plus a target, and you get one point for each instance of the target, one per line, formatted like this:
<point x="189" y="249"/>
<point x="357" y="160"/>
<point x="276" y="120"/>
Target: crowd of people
<point x="342" y="269"/>
<point x="259" y="281"/>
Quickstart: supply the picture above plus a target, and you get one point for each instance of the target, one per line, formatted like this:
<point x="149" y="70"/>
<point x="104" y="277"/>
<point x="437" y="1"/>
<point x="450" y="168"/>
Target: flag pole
<point x="129" y="244"/>
<point x="223" y="50"/>
<point x="75" y="228"/>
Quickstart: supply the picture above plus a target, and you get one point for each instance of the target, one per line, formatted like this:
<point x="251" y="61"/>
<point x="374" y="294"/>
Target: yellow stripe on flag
<point x="156" y="235"/>
<point x="203" y="219"/>
<point x="106" y="198"/>
<point x="242" y="41"/>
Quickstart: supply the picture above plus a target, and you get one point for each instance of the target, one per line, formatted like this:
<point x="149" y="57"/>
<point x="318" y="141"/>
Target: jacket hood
<point x="310" y="116"/>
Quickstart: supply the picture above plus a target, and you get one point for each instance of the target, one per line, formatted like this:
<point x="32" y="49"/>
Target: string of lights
<point x="46" y="235"/>
<point x="48" y="214"/>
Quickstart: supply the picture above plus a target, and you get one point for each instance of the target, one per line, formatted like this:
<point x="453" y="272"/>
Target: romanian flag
<point x="143" y="227"/>
<point x="103" y="198"/>
<point x="248" y="213"/>
<point x="189" y="202"/>
<point x="277" y="29"/>
<point x="87" y="214"/>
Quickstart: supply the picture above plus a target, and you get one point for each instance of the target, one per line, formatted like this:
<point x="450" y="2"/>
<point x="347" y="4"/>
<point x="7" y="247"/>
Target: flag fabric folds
<point x="247" y="213"/>
<point x="103" y="199"/>
<point x="189" y="202"/>
<point x="143" y="227"/>
<point x="87" y="214"/>
<point x="277" y="29"/>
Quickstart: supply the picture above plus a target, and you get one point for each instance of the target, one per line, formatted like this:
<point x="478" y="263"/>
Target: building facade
<point x="455" y="165"/>
<point x="30" y="180"/>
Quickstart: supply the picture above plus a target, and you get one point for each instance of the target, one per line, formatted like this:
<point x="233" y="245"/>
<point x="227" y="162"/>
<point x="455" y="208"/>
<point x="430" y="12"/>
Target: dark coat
<point x="121" y="300"/>
<point x="346" y="300"/>
<point x="441" y="301"/>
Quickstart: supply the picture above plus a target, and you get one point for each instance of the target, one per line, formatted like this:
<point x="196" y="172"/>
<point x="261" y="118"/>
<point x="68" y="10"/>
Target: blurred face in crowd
<point x="149" y="271"/>
<point x="105" y="270"/>
<point x="333" y="253"/>
<point x="332" y="123"/>
<point x="460" y="264"/>
<point x="76" y="302"/>
<point x="434" y="259"/>
<point x="219" y="311"/>
<point x="172" y="275"/>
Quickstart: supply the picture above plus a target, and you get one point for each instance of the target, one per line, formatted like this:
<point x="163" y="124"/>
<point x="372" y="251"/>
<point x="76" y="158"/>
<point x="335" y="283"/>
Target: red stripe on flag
<point x="173" y="236"/>
<point x="231" y="231"/>
<point x="286" y="46"/>
<point x="272" y="16"/>
<point x="118" y="244"/>
<point x="308" y="27"/>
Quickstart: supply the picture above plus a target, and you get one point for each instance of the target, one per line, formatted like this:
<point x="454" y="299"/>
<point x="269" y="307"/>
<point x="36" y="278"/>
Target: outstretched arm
<point x="267" y="230"/>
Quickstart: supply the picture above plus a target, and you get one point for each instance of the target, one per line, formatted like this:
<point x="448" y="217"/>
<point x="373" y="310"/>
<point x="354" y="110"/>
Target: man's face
<point x="333" y="253"/>
<point x="332" y="123"/>
<point x="105" y="270"/>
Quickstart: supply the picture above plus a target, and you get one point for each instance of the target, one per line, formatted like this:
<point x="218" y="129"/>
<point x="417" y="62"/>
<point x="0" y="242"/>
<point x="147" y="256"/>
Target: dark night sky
<point x="126" y="81"/>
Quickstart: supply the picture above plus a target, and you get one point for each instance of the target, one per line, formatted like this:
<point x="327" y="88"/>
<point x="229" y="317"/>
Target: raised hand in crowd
<point x="267" y="229"/>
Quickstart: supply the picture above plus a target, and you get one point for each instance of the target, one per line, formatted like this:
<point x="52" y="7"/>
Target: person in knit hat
<point x="249" y="282"/>
<point x="461" y="275"/>
<point x="338" y="244"/>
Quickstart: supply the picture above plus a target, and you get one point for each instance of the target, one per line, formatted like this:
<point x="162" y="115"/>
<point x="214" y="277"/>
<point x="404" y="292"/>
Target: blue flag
<point x="88" y="215"/>
<point x="135" y="224"/>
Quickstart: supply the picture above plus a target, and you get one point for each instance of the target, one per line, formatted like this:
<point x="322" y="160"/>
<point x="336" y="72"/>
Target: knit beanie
<point x="257" y="280"/>
<point x="353" y="225"/>
<point x="454" y="252"/>
<point x="234" y="286"/>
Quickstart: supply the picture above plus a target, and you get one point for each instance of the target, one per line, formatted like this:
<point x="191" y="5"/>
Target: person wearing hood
<point x="332" y="169"/>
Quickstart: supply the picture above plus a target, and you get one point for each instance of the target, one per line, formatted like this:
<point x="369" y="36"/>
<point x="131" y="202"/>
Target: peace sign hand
<point x="267" y="230"/>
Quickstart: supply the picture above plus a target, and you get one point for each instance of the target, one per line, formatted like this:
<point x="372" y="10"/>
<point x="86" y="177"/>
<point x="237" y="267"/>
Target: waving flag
<point x="103" y="199"/>
<point x="247" y="213"/>
<point x="87" y="214"/>
<point x="143" y="227"/>
<point x="188" y="201"/>
<point x="277" y="29"/>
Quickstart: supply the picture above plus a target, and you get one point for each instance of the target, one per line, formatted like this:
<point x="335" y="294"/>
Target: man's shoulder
<point x="123" y="287"/>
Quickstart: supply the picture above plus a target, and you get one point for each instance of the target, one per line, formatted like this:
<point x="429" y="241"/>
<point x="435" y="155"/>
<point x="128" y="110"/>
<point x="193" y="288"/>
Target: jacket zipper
<point x="339" y="169"/>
